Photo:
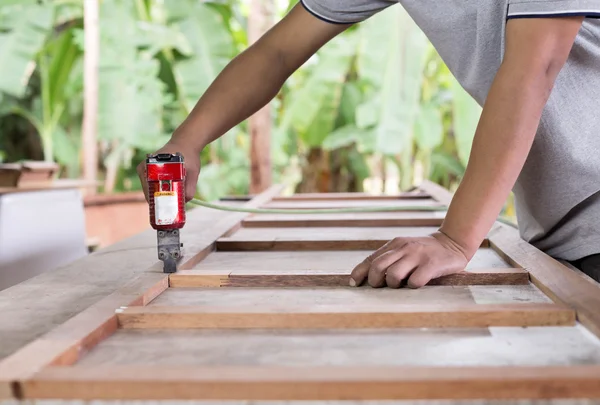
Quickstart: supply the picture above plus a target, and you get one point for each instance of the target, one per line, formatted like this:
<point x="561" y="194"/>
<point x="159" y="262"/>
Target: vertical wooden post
<point x="259" y="21"/>
<point x="91" y="58"/>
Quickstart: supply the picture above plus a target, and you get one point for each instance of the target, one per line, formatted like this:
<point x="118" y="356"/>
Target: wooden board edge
<point x="66" y="343"/>
<point x="346" y="316"/>
<point x="558" y="282"/>
<point x="314" y="383"/>
<point x="195" y="254"/>
<point x="268" y="279"/>
<point x="437" y="192"/>
<point x="257" y="222"/>
<point x="352" y="196"/>
<point x="233" y="244"/>
<point x="199" y="279"/>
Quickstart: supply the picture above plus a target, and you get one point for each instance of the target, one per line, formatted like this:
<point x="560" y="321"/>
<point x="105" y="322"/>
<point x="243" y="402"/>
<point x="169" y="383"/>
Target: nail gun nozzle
<point x="169" y="249"/>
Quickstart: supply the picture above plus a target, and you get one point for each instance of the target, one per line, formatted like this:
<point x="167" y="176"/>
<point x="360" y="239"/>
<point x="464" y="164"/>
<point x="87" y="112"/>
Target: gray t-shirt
<point x="558" y="191"/>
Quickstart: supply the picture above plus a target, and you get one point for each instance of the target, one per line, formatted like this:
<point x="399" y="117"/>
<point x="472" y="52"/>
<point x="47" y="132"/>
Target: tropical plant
<point x="375" y="102"/>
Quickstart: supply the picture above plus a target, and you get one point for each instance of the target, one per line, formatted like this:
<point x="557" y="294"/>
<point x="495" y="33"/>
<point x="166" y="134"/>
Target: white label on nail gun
<point x="165" y="207"/>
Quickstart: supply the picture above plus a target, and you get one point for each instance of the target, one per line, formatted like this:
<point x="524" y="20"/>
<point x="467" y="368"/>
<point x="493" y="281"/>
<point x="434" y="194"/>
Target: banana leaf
<point x="211" y="46"/>
<point x="392" y="57"/>
<point x="30" y="25"/>
<point x="466" y="113"/>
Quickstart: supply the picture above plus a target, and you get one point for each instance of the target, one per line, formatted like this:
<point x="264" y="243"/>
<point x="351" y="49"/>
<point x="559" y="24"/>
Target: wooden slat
<point x="361" y="296"/>
<point x="324" y="261"/>
<point x="65" y="344"/>
<point x="346" y="316"/>
<point x="437" y="192"/>
<point x="338" y="203"/>
<point x="557" y="281"/>
<point x="195" y="252"/>
<point x="315" y="383"/>
<point x="405" y="218"/>
<point x="331" y="233"/>
<point x="561" y="284"/>
<point x="233" y="244"/>
<point x="340" y="278"/>
<point x="351" y="196"/>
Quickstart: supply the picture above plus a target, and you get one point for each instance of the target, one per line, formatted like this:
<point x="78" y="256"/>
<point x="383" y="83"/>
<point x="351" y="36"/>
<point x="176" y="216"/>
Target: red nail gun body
<point x="165" y="173"/>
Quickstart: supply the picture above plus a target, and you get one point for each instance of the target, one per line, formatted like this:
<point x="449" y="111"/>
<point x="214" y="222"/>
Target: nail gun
<point x="165" y="174"/>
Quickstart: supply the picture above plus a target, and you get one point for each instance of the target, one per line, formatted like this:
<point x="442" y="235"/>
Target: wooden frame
<point x="43" y="369"/>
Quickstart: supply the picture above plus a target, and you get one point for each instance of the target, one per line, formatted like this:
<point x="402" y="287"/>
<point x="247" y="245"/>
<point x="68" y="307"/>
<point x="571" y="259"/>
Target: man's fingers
<point x="379" y="266"/>
<point x="361" y="271"/>
<point x="421" y="276"/>
<point x="398" y="271"/>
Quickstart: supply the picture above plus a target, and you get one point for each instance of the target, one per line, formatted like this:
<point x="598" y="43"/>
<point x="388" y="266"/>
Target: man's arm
<point x="247" y="84"/>
<point x="536" y="50"/>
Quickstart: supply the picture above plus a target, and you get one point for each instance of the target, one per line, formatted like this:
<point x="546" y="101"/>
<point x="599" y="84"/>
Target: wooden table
<point x="265" y="313"/>
<point x="59" y="184"/>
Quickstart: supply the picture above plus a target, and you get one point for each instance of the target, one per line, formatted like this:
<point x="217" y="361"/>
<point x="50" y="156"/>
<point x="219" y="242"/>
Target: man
<point x="534" y="67"/>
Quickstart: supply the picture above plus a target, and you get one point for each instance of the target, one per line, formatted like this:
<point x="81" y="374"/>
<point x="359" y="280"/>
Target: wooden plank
<point x="549" y="275"/>
<point x="346" y="316"/>
<point x="352" y="196"/>
<point x="547" y="346"/>
<point x="358" y="296"/>
<point x="436" y="192"/>
<point x="234" y="244"/>
<point x="338" y="203"/>
<point x="314" y="383"/>
<point x="322" y="261"/>
<point x="199" y="250"/>
<point x="405" y="218"/>
<point x="65" y="344"/>
<point x="331" y="233"/>
<point x="241" y="278"/>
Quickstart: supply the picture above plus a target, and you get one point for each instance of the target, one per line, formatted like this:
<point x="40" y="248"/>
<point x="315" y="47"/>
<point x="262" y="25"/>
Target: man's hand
<point x="191" y="160"/>
<point x="414" y="260"/>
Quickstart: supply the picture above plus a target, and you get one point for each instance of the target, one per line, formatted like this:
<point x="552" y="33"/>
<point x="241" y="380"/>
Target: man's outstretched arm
<point x="246" y="85"/>
<point x="536" y="50"/>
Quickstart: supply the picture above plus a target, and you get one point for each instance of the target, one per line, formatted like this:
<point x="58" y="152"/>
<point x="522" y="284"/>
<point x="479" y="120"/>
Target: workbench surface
<point x="35" y="307"/>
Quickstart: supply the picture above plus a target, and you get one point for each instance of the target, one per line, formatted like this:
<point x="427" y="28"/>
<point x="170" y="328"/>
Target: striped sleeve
<point x="345" y="11"/>
<point x="553" y="8"/>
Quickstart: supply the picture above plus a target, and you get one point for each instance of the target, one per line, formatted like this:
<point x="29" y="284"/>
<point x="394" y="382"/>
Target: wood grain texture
<point x="233" y="244"/>
<point x="352" y="196"/>
<point x="197" y="251"/>
<point x="323" y="261"/>
<point x="405" y="218"/>
<point x="557" y="281"/>
<point x="466" y="347"/>
<point x="338" y="203"/>
<point x="346" y="316"/>
<point x="437" y="192"/>
<point x="340" y="278"/>
<point x="330" y="233"/>
<point x="357" y="296"/>
<point x="314" y="383"/>
<point x="65" y="344"/>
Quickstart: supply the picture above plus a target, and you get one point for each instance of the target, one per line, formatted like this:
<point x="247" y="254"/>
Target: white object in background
<point x="39" y="231"/>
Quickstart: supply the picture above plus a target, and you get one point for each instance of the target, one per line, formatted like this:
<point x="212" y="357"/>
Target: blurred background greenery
<point x="375" y="110"/>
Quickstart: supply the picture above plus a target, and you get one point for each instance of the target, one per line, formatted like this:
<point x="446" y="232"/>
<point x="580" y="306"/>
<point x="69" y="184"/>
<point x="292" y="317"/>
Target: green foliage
<point x="466" y="118"/>
<point x="25" y="32"/>
<point x="377" y="95"/>
<point x="391" y="61"/>
<point x="206" y="43"/>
